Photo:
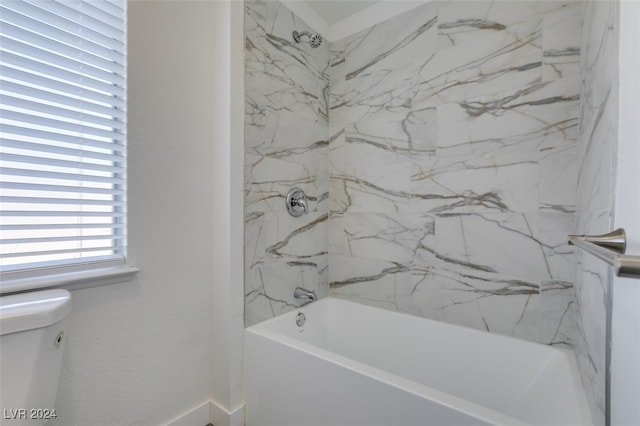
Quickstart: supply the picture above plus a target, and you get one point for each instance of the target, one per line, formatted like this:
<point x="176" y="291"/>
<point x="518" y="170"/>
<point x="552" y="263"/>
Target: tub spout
<point x="305" y="295"/>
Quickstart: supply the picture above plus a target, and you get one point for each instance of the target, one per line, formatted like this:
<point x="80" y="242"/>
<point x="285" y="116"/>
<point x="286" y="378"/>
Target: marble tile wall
<point x="441" y="164"/>
<point x="286" y="145"/>
<point x="452" y="159"/>
<point x="453" y="162"/>
<point x="594" y="206"/>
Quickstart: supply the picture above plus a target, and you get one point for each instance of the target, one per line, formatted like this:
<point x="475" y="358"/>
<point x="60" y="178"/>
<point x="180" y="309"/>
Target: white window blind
<point x="63" y="134"/>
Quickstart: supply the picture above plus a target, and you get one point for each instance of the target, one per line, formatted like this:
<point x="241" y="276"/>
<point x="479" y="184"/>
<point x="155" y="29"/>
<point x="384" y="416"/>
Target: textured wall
<point x="598" y="146"/>
<point x="453" y="165"/>
<point x="143" y="352"/>
<point x="286" y="143"/>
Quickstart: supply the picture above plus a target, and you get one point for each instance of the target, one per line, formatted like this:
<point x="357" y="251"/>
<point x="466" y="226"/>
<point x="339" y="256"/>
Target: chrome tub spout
<point x="307" y="296"/>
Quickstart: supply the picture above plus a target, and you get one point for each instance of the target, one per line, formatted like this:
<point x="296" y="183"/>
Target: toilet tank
<point x="32" y="339"/>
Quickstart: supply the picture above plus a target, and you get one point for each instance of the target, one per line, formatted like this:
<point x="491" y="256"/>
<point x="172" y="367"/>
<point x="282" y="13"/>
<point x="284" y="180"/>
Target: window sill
<point x="71" y="280"/>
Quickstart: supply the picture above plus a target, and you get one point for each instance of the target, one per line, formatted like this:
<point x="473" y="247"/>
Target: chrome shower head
<point x="315" y="40"/>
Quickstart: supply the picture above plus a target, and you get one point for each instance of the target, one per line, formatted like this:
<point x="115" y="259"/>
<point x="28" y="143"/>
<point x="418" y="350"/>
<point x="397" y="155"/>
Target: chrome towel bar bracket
<point x="610" y="248"/>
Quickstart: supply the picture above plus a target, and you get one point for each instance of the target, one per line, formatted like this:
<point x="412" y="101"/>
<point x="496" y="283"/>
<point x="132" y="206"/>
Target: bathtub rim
<point x="445" y="399"/>
<point x="264" y="326"/>
<point x="264" y="330"/>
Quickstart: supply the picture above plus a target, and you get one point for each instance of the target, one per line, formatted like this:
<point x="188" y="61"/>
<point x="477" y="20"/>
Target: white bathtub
<point x="351" y="364"/>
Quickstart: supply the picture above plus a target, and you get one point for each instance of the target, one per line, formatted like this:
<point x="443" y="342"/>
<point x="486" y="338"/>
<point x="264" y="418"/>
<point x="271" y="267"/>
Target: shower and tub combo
<point x="440" y="149"/>
<point x="351" y="364"/>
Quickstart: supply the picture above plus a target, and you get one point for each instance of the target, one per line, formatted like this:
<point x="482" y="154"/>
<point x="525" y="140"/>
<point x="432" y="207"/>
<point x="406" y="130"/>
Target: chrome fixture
<point x="614" y="240"/>
<point x="307" y="296"/>
<point x="297" y="202"/>
<point x="300" y="319"/>
<point x="610" y="248"/>
<point x="315" y="40"/>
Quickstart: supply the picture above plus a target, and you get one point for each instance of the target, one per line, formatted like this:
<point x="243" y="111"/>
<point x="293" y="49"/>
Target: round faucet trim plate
<point x="296" y="202"/>
<point x="300" y="319"/>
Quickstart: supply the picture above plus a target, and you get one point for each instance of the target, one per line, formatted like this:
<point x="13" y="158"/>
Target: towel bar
<point x="610" y="248"/>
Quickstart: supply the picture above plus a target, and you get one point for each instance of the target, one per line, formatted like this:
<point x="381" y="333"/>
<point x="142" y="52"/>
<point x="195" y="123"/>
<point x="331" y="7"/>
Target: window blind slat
<point x="110" y="8"/>
<point x="53" y="149"/>
<point x="79" y="127"/>
<point x="61" y="226"/>
<point x="54" y="32"/>
<point x="88" y="9"/>
<point x="60" y="188"/>
<point x="9" y="171"/>
<point x="62" y="136"/>
<point x="91" y="100"/>
<point x="27" y="159"/>
<point x="69" y="25"/>
<point x="48" y="98"/>
<point x="77" y="15"/>
<point x="79" y="79"/>
<point x="72" y="114"/>
<point x="81" y="214"/>
<point x="51" y="58"/>
<point x="58" y="239"/>
<point x="73" y="201"/>
<point x="60" y="49"/>
<point x="116" y="3"/>
<point x="66" y="251"/>
<point x="58" y="137"/>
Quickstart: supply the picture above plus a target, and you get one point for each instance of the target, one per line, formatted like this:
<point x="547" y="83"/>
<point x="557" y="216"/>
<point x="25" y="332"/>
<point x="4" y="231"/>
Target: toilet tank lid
<point x="36" y="309"/>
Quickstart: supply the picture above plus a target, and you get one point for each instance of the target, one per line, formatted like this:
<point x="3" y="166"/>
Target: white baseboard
<point x="210" y="412"/>
<point x="221" y="417"/>
<point x="199" y="416"/>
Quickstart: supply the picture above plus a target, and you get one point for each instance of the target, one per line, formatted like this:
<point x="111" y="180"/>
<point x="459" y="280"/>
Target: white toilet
<point x="32" y="338"/>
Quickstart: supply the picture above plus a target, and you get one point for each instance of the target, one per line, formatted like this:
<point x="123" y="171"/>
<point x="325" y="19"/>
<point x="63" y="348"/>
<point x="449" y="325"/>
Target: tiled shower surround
<point x="440" y="153"/>
<point x="445" y="161"/>
<point x="453" y="164"/>
<point x="286" y="145"/>
<point x="594" y="204"/>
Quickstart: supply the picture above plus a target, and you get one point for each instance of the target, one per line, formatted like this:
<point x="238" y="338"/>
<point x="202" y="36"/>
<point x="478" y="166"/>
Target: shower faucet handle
<point x="297" y="202"/>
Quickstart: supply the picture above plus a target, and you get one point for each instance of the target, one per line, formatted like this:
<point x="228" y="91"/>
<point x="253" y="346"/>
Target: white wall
<point x="625" y="327"/>
<point x="228" y="292"/>
<point x="147" y="351"/>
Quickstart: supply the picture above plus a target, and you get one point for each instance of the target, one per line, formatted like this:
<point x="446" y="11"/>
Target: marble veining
<point x="440" y="151"/>
<point x="594" y="198"/>
<point x="453" y="164"/>
<point x="286" y="145"/>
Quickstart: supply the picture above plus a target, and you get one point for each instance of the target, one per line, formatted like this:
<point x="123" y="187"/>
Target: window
<point x="63" y="136"/>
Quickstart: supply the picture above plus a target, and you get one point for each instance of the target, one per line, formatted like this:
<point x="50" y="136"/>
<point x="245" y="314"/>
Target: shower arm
<point x="298" y="34"/>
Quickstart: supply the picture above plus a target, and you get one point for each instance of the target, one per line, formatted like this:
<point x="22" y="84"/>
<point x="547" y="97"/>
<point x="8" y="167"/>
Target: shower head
<point x="315" y="40"/>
